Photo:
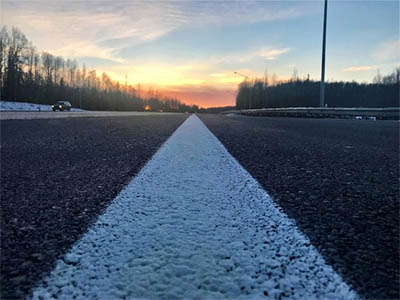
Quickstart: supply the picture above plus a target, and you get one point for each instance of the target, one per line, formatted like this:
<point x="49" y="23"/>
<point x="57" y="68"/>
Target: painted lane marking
<point x="193" y="224"/>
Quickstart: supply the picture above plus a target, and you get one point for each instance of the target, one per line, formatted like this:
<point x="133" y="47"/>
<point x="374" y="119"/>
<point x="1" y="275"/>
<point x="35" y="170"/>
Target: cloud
<point x="89" y="29"/>
<point x="85" y="49"/>
<point x="359" y="69"/>
<point x="387" y="50"/>
<point x="272" y="54"/>
<point x="218" y="75"/>
<point x="97" y="30"/>
<point x="162" y="74"/>
<point x="158" y="74"/>
<point x="239" y="12"/>
<point x="103" y="28"/>
<point x="264" y="53"/>
<point x="231" y="78"/>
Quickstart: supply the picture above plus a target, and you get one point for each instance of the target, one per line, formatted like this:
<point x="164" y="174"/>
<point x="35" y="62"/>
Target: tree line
<point x="295" y="92"/>
<point x="28" y="75"/>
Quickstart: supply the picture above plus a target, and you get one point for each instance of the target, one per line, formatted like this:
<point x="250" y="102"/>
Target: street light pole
<point x="322" y="91"/>
<point x="245" y="76"/>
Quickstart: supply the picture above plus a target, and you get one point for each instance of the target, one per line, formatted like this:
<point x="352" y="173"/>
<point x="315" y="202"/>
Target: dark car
<point x="61" y="105"/>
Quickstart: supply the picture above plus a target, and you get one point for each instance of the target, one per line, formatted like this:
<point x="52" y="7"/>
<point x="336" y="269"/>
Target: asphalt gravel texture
<point x="338" y="179"/>
<point x="57" y="176"/>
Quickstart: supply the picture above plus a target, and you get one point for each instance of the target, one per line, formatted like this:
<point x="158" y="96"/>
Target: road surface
<point x="57" y="175"/>
<point x="193" y="222"/>
<point x="339" y="179"/>
<point x="18" y="115"/>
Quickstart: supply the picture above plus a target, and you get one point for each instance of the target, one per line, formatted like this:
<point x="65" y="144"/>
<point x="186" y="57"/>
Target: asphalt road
<point x="338" y="179"/>
<point x="173" y="233"/>
<point x="19" y="115"/>
<point x="57" y="175"/>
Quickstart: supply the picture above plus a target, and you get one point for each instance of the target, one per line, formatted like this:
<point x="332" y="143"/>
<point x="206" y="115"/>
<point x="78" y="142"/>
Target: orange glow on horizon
<point x="191" y="84"/>
<point x="204" y="97"/>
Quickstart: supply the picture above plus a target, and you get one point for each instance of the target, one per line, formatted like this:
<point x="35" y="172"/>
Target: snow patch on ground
<point x="25" y="106"/>
<point x="193" y="224"/>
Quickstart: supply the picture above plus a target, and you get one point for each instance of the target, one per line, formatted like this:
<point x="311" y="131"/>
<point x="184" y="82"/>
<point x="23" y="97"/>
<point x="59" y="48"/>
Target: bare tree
<point x="30" y="62"/>
<point x="17" y="44"/>
<point x="48" y="65"/>
<point x="58" y="64"/>
<point x="27" y="75"/>
<point x="4" y="40"/>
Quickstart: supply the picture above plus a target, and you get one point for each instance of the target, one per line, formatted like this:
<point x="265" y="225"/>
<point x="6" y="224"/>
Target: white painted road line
<point x="193" y="224"/>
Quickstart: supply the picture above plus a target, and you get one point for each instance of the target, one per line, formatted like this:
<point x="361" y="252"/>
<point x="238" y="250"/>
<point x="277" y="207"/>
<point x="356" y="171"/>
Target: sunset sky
<point x="190" y="49"/>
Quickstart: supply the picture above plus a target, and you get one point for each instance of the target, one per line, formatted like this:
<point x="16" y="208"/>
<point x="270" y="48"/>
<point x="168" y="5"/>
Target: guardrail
<point x="389" y="113"/>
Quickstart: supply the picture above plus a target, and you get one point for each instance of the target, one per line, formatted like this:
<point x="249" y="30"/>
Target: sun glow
<point x="157" y="75"/>
<point x="190" y="83"/>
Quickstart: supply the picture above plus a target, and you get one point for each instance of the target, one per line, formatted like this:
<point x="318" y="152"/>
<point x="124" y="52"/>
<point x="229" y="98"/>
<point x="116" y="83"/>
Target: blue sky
<point x="190" y="49"/>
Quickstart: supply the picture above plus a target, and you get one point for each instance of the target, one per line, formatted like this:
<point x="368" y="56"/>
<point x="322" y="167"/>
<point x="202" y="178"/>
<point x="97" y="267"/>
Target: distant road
<point x="14" y="115"/>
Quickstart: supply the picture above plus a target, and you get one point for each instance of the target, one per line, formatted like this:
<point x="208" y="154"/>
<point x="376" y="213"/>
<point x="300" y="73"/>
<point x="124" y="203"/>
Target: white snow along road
<point x="193" y="224"/>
